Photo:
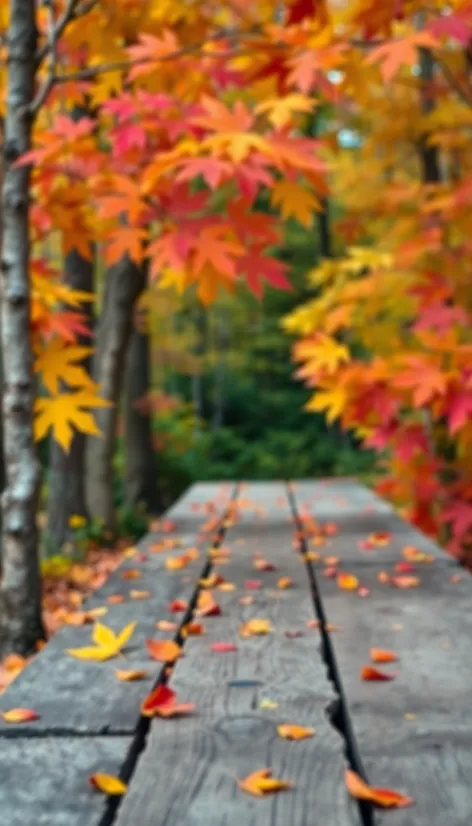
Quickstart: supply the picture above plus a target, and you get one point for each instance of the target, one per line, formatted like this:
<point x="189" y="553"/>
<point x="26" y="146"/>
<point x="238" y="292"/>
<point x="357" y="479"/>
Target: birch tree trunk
<point x="140" y="458"/>
<point x="20" y="598"/>
<point x="124" y="283"/>
<point x="66" y="494"/>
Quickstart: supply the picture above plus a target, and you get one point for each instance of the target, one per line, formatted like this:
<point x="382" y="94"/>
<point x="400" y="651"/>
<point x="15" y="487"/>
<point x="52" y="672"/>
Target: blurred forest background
<point x="224" y="402"/>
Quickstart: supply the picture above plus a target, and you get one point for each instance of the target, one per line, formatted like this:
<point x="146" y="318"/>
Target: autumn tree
<point x="186" y="140"/>
<point x="385" y="340"/>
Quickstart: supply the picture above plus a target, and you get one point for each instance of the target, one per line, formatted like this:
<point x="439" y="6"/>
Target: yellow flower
<point x="77" y="521"/>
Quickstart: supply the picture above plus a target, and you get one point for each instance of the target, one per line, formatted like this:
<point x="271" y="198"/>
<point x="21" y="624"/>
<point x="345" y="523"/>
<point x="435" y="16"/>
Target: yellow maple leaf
<point x="107" y="643"/>
<point x="321" y="352"/>
<point x="58" y="362"/>
<point x="295" y="201"/>
<point x="332" y="402"/>
<point x="280" y="111"/>
<point x="65" y="412"/>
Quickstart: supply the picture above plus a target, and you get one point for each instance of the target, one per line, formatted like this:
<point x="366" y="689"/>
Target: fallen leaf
<point x="375" y="675"/>
<point x="284" y="582"/>
<point x="107" y="784"/>
<point x="412" y="554"/>
<point x="347" y="582"/>
<point x="380" y="655"/>
<point x="268" y="704"/>
<point x="261" y="564"/>
<point x="175" y="563"/>
<point x="207" y="606"/>
<point x="211" y="581"/>
<point x="95" y="613"/>
<point x="193" y="629"/>
<point x="288" y="731"/>
<point x="107" y="643"/>
<point x="131" y="573"/>
<point x="255" y="628"/>
<point x="404" y="568"/>
<point x="330" y="529"/>
<point x="20" y="715"/>
<point x="330" y="573"/>
<point x="330" y="627"/>
<point x="312" y="623"/>
<point x="130" y="675"/>
<point x="311" y="556"/>
<point x="223" y="647"/>
<point x="409" y="716"/>
<point x="161" y="702"/>
<point x="14" y="662"/>
<point x="226" y="586"/>
<point x="331" y="561"/>
<point x="405" y="581"/>
<point x="134" y="594"/>
<point x="294" y="633"/>
<point x="128" y="553"/>
<point x="383" y="577"/>
<point x="115" y="599"/>
<point x="177" y="606"/>
<point x="385" y="798"/>
<point x="164" y="651"/>
<point x="455" y="578"/>
<point x="261" y="782"/>
<point x="246" y="600"/>
<point x="166" y="625"/>
<point x="380" y="538"/>
<point x="363" y="592"/>
<point x="253" y="584"/>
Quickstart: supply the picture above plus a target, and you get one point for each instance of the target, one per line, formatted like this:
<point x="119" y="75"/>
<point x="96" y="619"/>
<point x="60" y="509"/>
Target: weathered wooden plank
<point x="199" y="506"/>
<point x="358" y="513"/>
<point x="187" y="775"/>
<point x="413" y="733"/>
<point x="44" y="781"/>
<point x="85" y="696"/>
<point x="430" y="628"/>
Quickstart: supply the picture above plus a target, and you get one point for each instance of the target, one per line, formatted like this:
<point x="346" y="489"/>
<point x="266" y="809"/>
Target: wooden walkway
<point x="412" y="734"/>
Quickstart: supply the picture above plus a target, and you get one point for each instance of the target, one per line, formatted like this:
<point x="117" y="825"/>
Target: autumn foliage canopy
<point x="181" y="135"/>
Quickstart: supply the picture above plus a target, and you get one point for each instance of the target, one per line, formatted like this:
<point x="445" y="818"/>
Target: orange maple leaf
<point x="397" y="53"/>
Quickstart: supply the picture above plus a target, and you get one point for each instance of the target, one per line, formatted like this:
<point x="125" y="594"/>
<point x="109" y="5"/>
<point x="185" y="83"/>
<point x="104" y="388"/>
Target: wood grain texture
<point x="85" y="697"/>
<point x="358" y="513"/>
<point x="414" y="733"/>
<point x="44" y="782"/>
<point x="187" y="775"/>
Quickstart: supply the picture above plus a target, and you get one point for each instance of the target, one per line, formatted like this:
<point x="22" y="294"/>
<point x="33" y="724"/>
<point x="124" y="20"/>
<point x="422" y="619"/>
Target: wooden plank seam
<point x="339" y="713"/>
<point x="138" y="743"/>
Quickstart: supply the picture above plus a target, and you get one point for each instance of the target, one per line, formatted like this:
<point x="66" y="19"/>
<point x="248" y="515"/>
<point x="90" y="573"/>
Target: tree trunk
<point x="66" y="494"/>
<point x="197" y="378"/>
<point x="124" y="283"/>
<point x="222" y="337"/>
<point x="20" y="590"/>
<point x="429" y="154"/>
<point x="140" y="460"/>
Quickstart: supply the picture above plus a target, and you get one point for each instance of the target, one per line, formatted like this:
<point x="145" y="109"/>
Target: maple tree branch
<point x="190" y="49"/>
<point x="43" y="93"/>
<point x="71" y="12"/>
<point x="452" y="80"/>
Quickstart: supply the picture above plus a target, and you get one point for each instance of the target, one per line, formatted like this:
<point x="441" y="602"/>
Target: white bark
<point x="20" y="615"/>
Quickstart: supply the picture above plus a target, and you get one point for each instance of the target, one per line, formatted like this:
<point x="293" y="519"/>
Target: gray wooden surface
<point x="44" y="781"/>
<point x="187" y="775"/>
<point x="88" y="718"/>
<point x="414" y="733"/>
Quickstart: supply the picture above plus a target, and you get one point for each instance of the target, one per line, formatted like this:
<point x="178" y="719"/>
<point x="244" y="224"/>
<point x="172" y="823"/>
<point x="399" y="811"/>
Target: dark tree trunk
<point x="66" y="494"/>
<point x="140" y="458"/>
<point x="429" y="154"/>
<point x="20" y="590"/>
<point x="124" y="283"/>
